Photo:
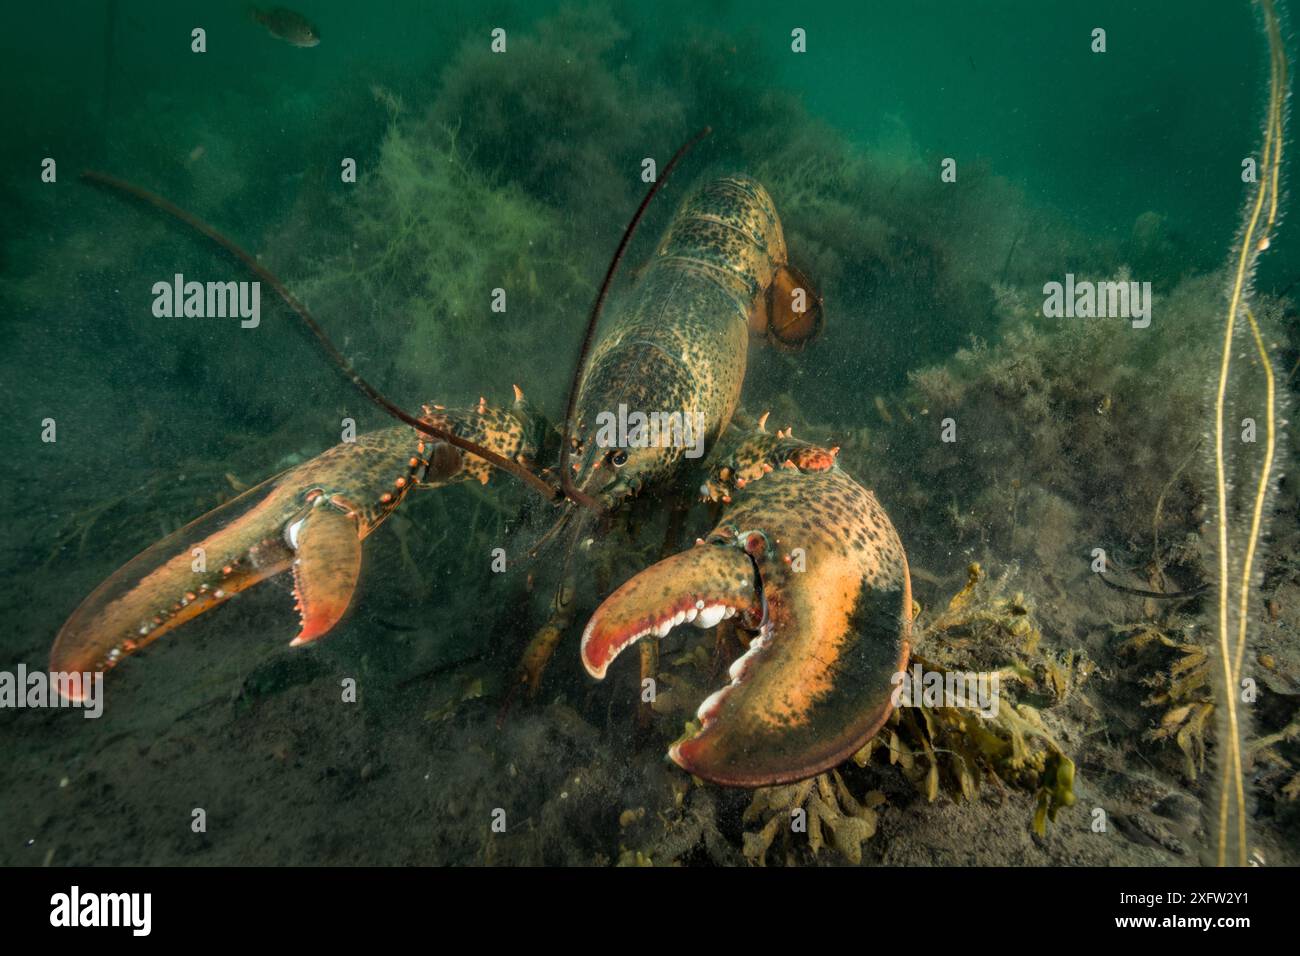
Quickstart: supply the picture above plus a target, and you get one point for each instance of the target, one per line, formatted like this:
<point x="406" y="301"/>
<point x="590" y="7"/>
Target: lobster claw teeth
<point x="325" y="570"/>
<point x="701" y="586"/>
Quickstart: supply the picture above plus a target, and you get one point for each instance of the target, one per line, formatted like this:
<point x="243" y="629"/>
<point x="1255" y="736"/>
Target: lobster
<point x="827" y="633"/>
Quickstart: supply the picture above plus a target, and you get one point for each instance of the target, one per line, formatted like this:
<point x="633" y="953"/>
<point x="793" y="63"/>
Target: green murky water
<point x="934" y="165"/>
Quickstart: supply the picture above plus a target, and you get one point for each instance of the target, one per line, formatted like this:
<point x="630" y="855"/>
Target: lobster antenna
<point x="335" y="356"/>
<point x="571" y="491"/>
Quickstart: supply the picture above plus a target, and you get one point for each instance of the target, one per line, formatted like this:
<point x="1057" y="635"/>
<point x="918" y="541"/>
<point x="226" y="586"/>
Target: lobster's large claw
<point x="286" y="522"/>
<point x="182" y="576"/>
<point x="263" y="532"/>
<point x="311" y="518"/>
<point x="832" y="610"/>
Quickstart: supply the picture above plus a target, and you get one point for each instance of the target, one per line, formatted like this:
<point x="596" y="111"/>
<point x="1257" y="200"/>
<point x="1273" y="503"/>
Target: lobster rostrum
<point x="828" y="632"/>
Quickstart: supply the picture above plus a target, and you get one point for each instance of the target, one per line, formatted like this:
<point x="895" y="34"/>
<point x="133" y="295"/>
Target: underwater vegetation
<point x="1237" y="546"/>
<point x="504" y="239"/>
<point x="952" y="750"/>
<point x="1070" y="438"/>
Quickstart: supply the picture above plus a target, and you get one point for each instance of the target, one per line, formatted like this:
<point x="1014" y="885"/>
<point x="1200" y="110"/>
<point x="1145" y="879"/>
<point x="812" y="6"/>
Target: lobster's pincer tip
<point x="701" y="586"/>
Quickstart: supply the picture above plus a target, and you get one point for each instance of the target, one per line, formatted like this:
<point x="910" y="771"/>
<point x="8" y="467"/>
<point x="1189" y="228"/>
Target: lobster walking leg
<point x="532" y="665"/>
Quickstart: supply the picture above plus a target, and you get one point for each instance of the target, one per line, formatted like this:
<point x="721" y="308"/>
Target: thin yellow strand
<point x="1250" y="248"/>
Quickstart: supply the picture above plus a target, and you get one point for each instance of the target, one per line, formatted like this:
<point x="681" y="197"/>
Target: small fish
<point x="288" y="25"/>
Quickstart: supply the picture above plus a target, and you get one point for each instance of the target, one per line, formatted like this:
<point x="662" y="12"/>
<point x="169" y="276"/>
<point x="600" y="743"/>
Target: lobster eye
<point x="618" y="459"/>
